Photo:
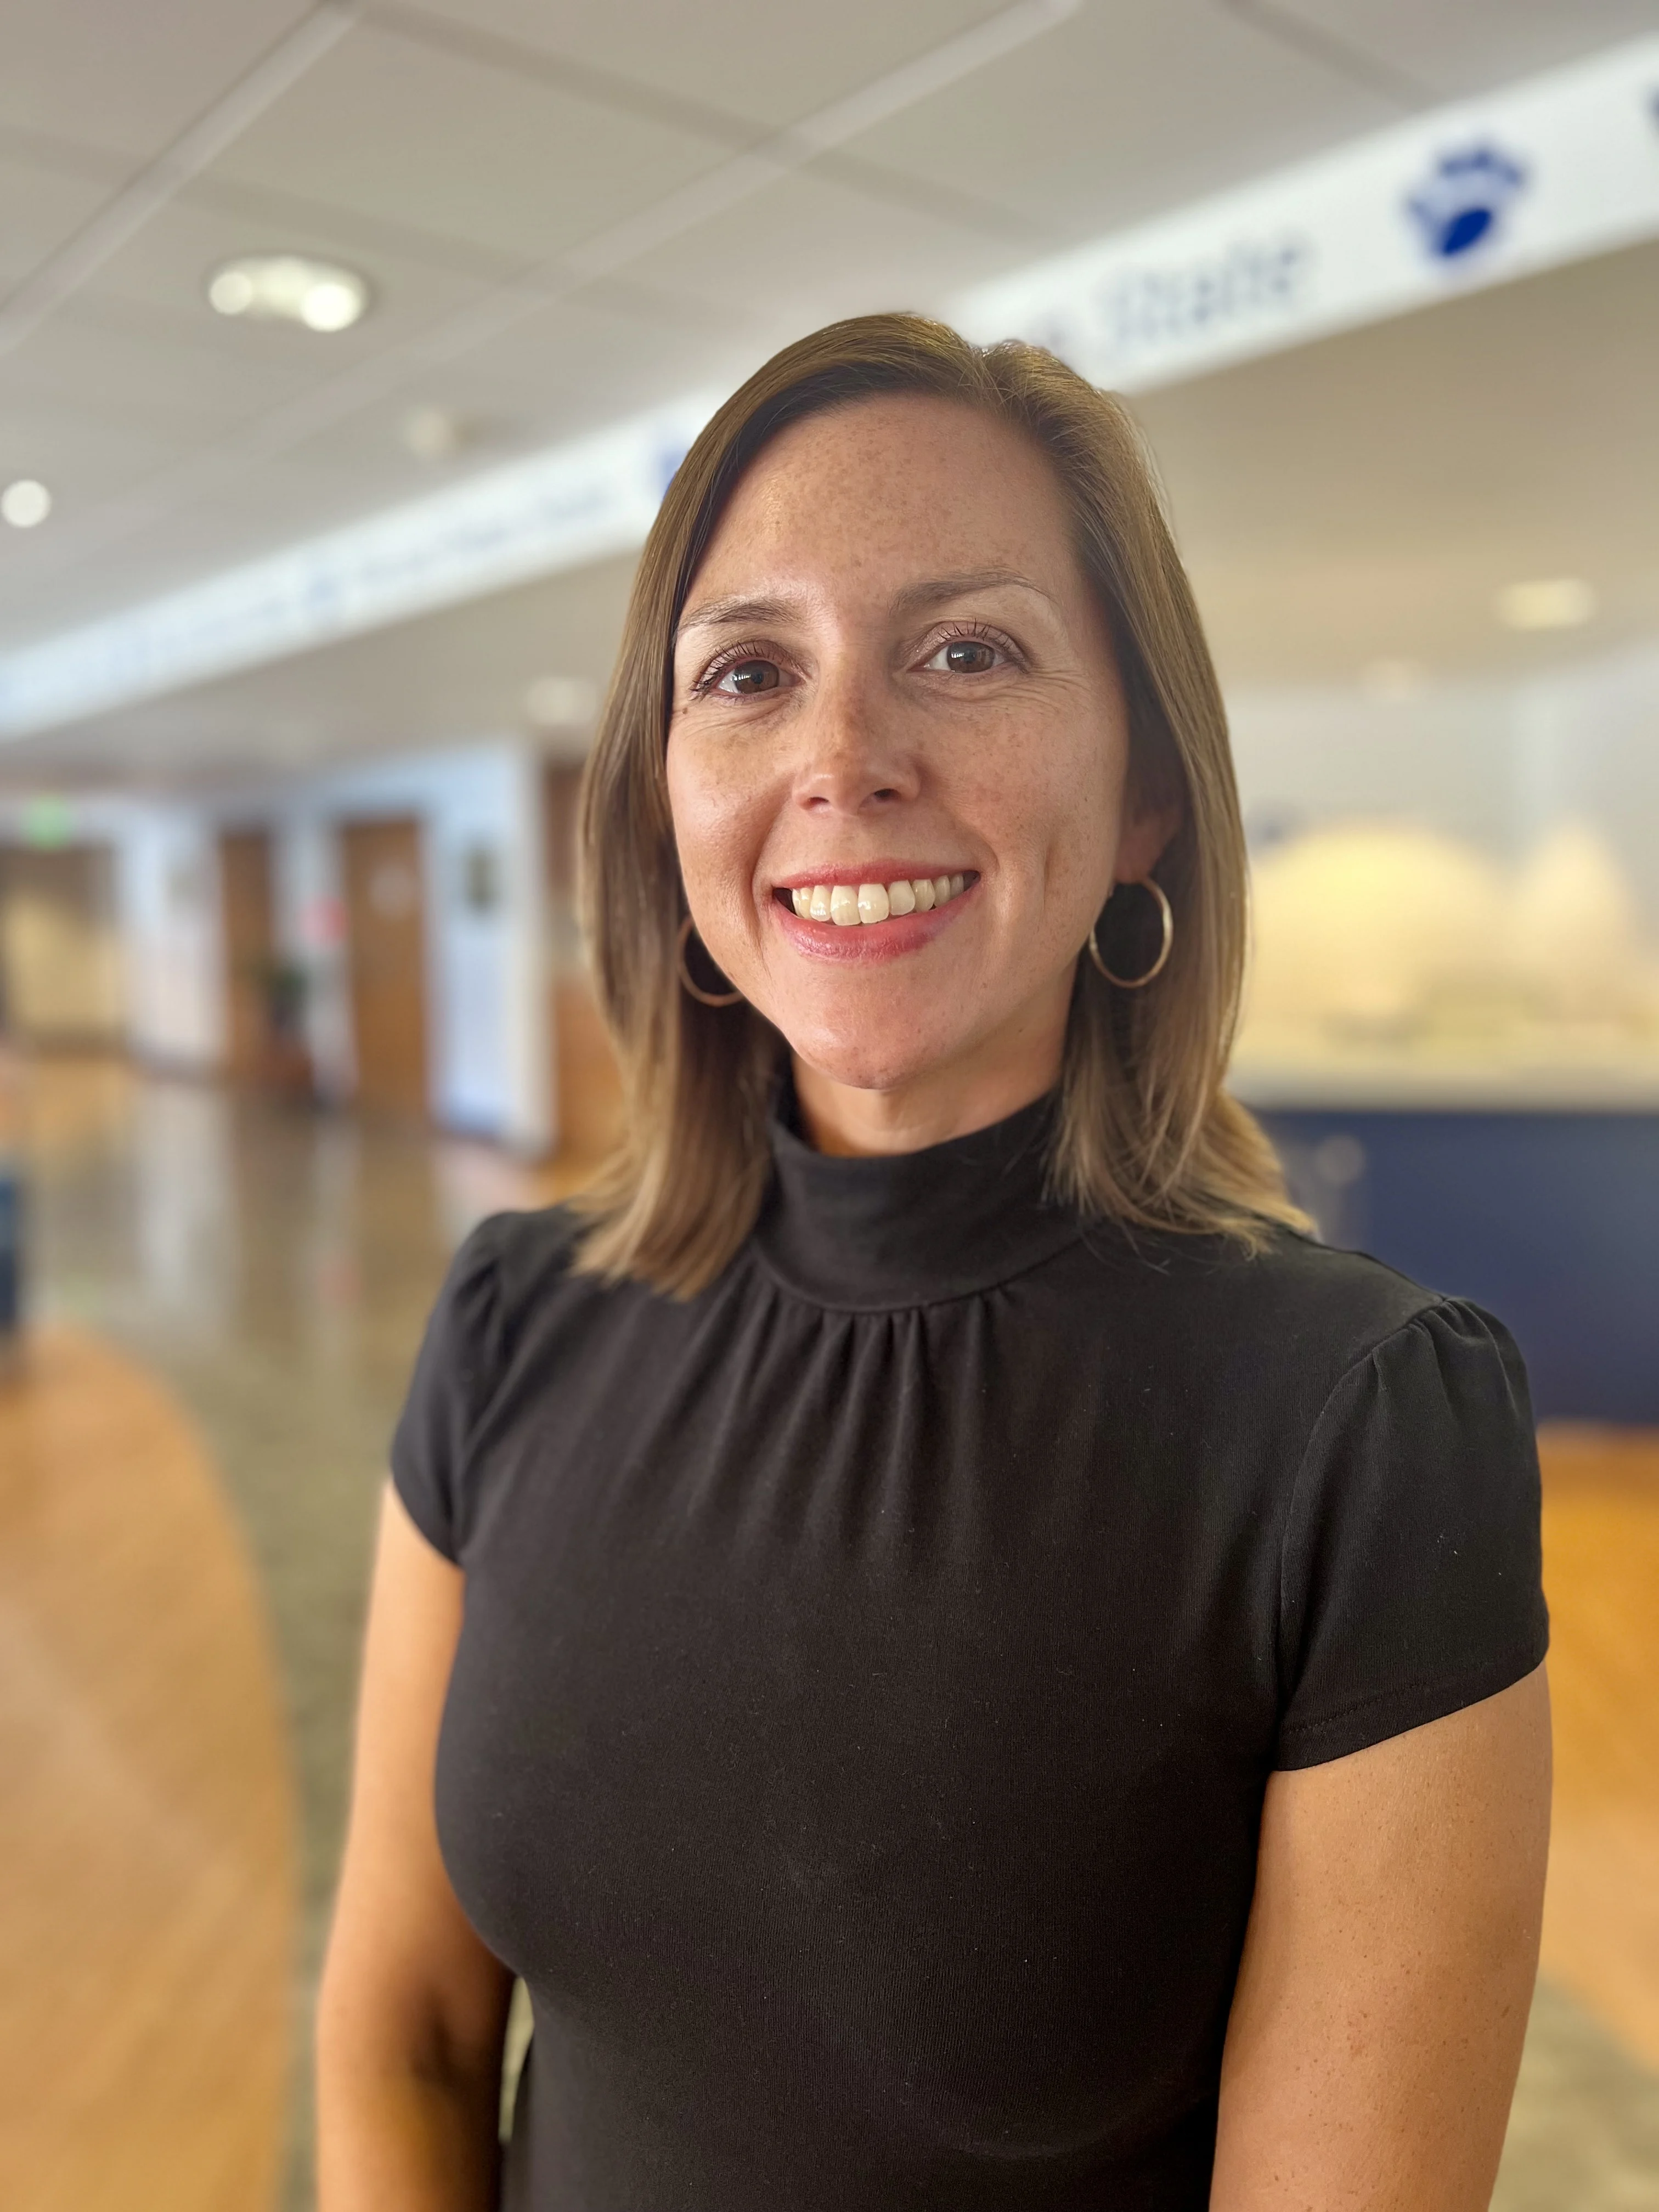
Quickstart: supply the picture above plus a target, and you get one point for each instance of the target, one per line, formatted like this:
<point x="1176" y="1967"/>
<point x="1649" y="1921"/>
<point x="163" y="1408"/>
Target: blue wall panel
<point x="1551" y="1220"/>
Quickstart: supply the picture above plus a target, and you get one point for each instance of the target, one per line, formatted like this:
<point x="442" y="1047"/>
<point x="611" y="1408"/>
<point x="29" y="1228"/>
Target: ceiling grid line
<point x="1315" y="42"/>
<point x="606" y="87"/>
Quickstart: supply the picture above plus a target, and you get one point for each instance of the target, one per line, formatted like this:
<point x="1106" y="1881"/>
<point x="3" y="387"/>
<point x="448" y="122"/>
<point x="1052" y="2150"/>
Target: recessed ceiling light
<point x="289" y="288"/>
<point x="433" y="434"/>
<point x="1545" y="603"/>
<point x="25" y="502"/>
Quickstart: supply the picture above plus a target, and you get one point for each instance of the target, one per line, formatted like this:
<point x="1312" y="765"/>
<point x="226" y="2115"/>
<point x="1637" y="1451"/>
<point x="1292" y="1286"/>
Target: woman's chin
<point x="867" y="1062"/>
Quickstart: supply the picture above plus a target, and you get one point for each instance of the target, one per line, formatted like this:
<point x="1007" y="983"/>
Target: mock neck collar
<point x="908" y="1228"/>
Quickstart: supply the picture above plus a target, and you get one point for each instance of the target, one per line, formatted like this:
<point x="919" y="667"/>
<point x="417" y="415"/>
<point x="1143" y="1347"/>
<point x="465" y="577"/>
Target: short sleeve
<point x="1410" y="1581"/>
<point x="453" y="1376"/>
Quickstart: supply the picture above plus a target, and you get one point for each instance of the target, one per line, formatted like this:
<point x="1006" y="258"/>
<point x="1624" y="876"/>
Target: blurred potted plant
<point x="284" y="990"/>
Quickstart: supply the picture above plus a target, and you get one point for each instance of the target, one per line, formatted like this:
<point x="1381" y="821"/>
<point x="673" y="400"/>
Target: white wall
<point x="167" y="906"/>
<point x="310" y="929"/>
<point x="1306" y="756"/>
<point x="489" y="1031"/>
<point x="1498" y="765"/>
<point x="168" y="874"/>
<point x="1587" y="745"/>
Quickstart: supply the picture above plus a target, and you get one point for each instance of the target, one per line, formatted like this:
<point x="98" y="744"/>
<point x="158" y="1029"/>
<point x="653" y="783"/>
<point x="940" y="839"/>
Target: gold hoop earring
<point x="1166" y="915"/>
<point x="695" y="990"/>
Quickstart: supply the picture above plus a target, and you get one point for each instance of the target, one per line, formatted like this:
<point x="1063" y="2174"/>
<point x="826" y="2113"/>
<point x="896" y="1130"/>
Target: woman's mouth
<point x="851" y="906"/>
<point x="879" y="915"/>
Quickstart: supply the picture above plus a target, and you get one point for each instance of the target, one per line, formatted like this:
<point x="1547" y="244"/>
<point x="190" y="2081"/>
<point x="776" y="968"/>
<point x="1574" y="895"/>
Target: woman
<point x="994" y="1673"/>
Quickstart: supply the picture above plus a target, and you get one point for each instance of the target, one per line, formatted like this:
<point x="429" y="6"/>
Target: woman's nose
<point x="854" y="755"/>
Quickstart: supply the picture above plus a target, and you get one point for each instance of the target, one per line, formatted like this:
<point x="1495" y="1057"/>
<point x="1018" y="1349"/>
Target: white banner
<point x="1550" y="170"/>
<point x="573" y="504"/>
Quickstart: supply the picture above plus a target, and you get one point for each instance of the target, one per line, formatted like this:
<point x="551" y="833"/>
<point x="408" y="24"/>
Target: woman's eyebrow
<point x="718" y="612"/>
<point x="939" y="590"/>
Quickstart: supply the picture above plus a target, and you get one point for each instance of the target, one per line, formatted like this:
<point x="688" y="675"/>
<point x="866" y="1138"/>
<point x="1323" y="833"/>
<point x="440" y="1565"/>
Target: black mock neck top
<point x="871" y="1666"/>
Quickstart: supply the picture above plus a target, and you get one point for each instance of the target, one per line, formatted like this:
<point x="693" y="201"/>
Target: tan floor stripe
<point x="146" y="1912"/>
<point x="1602" y="1574"/>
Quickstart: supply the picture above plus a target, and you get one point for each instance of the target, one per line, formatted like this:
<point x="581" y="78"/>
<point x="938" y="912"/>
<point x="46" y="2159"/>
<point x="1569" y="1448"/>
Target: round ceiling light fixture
<point x="434" y="433"/>
<point x="289" y="288"/>
<point x="25" y="502"/>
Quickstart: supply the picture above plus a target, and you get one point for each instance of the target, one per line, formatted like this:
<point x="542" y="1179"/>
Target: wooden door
<point x="59" y="950"/>
<point x="385" y="924"/>
<point x="250" y="952"/>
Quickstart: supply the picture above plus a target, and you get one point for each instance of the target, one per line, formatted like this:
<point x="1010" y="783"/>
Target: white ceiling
<point x="451" y="151"/>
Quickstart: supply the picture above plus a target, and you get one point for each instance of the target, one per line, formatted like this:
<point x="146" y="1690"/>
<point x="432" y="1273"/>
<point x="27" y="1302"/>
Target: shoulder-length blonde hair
<point x="1144" y="1132"/>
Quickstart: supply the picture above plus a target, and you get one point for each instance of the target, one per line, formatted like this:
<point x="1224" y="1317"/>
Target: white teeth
<point x="844" y="905"/>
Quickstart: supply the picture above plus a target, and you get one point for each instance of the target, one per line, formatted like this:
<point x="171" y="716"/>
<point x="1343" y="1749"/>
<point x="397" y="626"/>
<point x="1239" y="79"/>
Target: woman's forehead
<point x="884" y="493"/>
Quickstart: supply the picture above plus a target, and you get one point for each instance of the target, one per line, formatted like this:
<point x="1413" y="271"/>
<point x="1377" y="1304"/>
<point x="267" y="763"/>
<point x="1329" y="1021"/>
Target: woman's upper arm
<point x="406" y="1965"/>
<point x="1388" y="1969"/>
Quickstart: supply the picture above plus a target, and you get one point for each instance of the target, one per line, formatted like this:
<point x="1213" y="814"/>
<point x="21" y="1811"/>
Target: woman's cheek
<point x="720" y="831"/>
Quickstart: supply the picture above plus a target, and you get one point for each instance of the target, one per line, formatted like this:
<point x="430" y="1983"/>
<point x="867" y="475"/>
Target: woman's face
<point x="896" y="706"/>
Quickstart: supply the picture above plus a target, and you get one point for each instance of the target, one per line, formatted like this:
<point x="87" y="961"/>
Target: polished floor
<point x="148" y="1811"/>
<point x="190" y="1457"/>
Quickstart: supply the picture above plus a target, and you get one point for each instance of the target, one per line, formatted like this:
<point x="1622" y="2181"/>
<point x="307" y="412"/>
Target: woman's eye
<point x="746" y="677"/>
<point x="967" y="656"/>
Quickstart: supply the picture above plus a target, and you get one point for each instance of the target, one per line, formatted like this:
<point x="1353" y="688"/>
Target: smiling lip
<point x="867" y="939"/>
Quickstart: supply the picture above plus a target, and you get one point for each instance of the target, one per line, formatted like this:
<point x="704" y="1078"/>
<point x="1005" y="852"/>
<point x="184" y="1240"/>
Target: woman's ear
<point x="1142" y="839"/>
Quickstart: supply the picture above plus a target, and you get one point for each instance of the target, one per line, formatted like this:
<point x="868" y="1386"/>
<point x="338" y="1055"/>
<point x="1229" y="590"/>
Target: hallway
<point x="213" y="1267"/>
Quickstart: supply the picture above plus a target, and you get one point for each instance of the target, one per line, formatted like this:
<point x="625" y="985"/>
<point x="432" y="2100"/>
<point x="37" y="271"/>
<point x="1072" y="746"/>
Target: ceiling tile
<point x="395" y="130"/>
<point x="130" y="75"/>
<point x="136" y="369"/>
<point x="40" y="208"/>
<point x="1478" y="44"/>
<point x="763" y="64"/>
<point x="809" y="249"/>
<point x="574" y="365"/>
<point x="1124" y="112"/>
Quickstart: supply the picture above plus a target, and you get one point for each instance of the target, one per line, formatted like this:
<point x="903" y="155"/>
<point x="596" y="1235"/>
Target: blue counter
<point x="1551" y="1219"/>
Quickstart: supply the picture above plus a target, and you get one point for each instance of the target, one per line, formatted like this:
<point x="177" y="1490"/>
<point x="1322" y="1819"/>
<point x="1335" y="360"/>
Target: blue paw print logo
<point x="1465" y="200"/>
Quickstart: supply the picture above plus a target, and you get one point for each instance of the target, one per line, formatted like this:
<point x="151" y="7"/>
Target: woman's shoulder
<point x="508" y="1272"/>
<point x="516" y="1254"/>
<point x="1278" y="1269"/>
<point x="504" y="1275"/>
<point x="1289" y="1318"/>
<point x="1293" y="1287"/>
<point x="1376" y="1437"/>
